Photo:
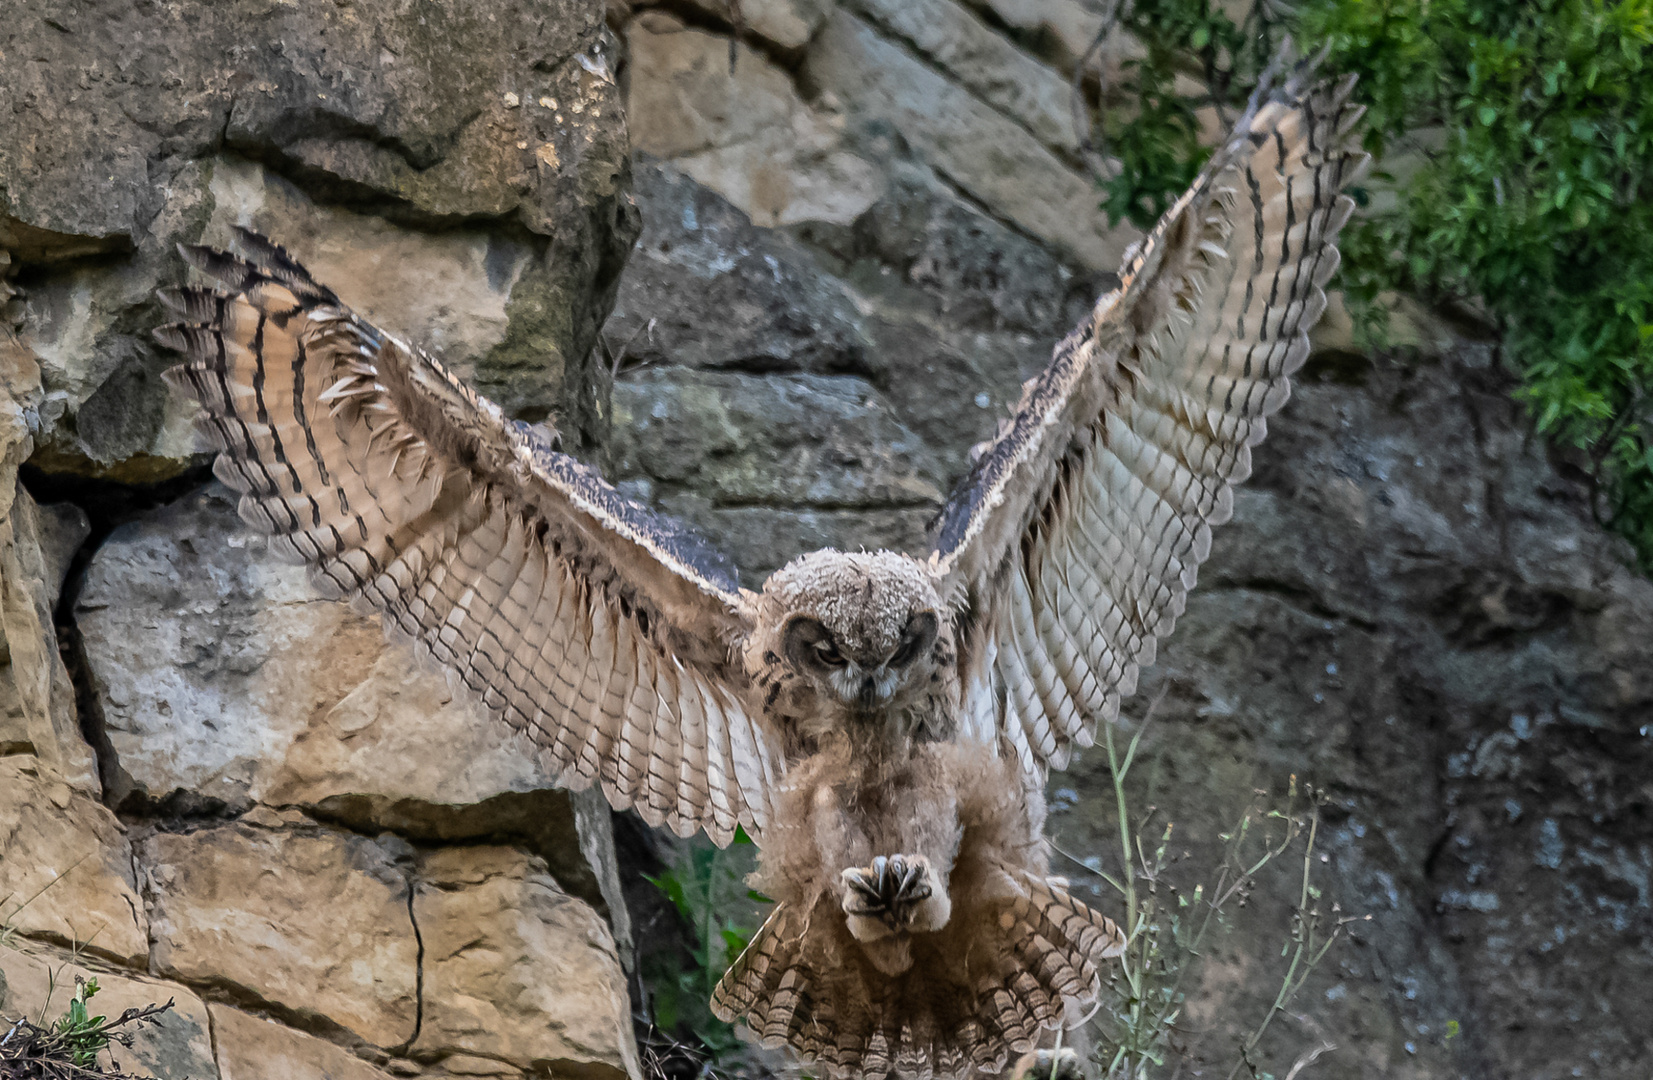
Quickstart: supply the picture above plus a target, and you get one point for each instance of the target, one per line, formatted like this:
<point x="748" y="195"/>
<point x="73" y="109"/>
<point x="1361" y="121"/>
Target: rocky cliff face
<point x="1412" y="609"/>
<point x="214" y="788"/>
<point x="863" y="224"/>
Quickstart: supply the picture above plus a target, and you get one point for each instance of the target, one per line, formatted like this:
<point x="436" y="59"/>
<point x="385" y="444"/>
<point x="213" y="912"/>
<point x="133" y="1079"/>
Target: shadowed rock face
<point x="293" y="813"/>
<point x="1412" y="609"/>
<point x="478" y="131"/>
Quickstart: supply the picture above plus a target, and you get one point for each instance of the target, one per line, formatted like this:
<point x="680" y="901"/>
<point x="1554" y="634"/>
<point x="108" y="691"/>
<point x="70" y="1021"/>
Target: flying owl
<point x="880" y="723"/>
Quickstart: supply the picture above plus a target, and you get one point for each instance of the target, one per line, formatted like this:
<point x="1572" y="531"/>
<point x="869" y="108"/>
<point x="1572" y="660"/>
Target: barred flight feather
<point x="599" y="630"/>
<point x="1078" y="534"/>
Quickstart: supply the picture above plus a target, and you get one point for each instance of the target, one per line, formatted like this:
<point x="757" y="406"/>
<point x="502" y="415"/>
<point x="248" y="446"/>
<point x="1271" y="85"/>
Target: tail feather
<point x="753" y="980"/>
<point x="982" y="991"/>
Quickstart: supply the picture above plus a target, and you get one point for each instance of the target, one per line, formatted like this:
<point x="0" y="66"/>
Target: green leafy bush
<point x="1531" y="128"/>
<point x="708" y="889"/>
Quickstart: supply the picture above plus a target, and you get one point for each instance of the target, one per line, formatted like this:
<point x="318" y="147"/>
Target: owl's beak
<point x="869" y="695"/>
<point x="875" y="688"/>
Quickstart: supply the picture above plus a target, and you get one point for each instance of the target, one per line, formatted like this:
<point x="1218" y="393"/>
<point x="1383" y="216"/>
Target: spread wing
<point x="599" y="629"/>
<point x="1076" y="537"/>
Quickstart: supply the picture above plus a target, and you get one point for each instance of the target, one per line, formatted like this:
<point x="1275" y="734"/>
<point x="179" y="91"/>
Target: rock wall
<point x="1412" y="609"/>
<point x="214" y="788"/>
<point x="863" y="224"/>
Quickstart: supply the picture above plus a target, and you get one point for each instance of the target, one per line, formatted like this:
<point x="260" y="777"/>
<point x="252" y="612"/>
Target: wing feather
<point x="600" y="630"/>
<point x="1078" y="534"/>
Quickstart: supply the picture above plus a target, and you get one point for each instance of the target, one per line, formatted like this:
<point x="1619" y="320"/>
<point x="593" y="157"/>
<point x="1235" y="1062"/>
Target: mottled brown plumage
<point x="881" y="724"/>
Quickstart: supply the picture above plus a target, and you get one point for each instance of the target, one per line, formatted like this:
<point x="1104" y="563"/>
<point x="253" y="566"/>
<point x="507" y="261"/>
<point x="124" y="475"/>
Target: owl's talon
<point x="888" y="890"/>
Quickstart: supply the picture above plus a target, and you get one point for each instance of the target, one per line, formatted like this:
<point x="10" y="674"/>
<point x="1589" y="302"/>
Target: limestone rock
<point x="780" y="440"/>
<point x="449" y="291"/>
<point x="1413" y="609"/>
<point x="250" y="1048"/>
<point x="516" y="970"/>
<point x="221" y="679"/>
<point x="66" y="865"/>
<point x="121" y="135"/>
<point x="1058" y="29"/>
<point x="311" y="920"/>
<point x="939" y="307"/>
<point x="985" y="153"/>
<point x="741" y="441"/>
<point x="983" y="61"/>
<point x="744" y="133"/>
<point x="38" y="979"/>
<point x="37" y="701"/>
<point x="699" y="253"/>
<point x="220" y="672"/>
<point x="785" y="23"/>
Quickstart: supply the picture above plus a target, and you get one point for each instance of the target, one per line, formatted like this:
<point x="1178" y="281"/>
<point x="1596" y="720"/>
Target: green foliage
<point x="68" y="1048"/>
<point x="709" y="891"/>
<point x="1158" y="138"/>
<point x="1527" y="132"/>
<point x="83" y="1036"/>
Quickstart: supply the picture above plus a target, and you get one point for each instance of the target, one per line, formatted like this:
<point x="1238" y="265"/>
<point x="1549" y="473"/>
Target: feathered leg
<point x="889" y="886"/>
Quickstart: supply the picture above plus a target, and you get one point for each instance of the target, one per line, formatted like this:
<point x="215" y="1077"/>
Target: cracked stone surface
<point x="801" y="133"/>
<point x="744" y="132"/>
<point x="516" y="971"/>
<point x="989" y="155"/>
<point x="37" y="700"/>
<point x="66" y="864"/>
<point x="129" y="129"/>
<point x="819" y="408"/>
<point x="311" y="920"/>
<point x="460" y="174"/>
<point x="251" y="1048"/>
<point x="179" y="1046"/>
<point x="785" y="23"/>
<point x="218" y="671"/>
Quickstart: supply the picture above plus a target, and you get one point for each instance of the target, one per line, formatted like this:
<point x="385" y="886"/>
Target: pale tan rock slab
<point x="37" y="981"/>
<point x="220" y="671"/>
<point x="37" y="701"/>
<point x="983" y="61"/>
<point x="992" y="158"/>
<point x="251" y="1048"/>
<point x="66" y="865"/>
<point x="517" y="970"/>
<point x="743" y="133"/>
<point x="447" y="291"/>
<point x="313" y="920"/>
<point x="787" y="23"/>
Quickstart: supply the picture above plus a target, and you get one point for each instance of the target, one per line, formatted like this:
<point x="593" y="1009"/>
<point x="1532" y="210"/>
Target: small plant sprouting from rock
<point x="1169" y="928"/>
<point x="708" y="889"/>
<point x="68" y="1047"/>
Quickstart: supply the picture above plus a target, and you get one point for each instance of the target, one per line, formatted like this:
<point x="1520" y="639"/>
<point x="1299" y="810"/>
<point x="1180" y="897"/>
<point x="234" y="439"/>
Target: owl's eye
<point x="809" y="646"/>
<point x="920" y="634"/>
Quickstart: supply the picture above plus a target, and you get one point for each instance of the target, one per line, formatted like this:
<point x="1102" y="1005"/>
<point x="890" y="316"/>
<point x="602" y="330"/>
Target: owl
<point x="880" y="723"/>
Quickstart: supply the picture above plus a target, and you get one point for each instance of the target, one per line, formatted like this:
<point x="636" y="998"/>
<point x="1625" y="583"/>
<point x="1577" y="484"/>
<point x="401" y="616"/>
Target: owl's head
<point x="866" y="631"/>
